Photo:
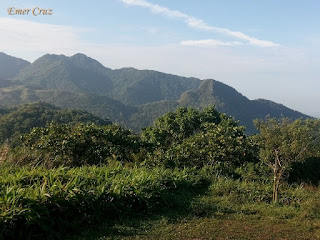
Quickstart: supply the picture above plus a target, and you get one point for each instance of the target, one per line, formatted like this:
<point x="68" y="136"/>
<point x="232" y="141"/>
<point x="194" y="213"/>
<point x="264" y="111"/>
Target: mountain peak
<point x="79" y="55"/>
<point x="78" y="73"/>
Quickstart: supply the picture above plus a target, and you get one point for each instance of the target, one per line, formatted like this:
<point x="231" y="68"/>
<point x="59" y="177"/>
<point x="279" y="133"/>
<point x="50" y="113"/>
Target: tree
<point x="284" y="142"/>
<point x="191" y="137"/>
<point x="222" y="145"/>
<point x="174" y="127"/>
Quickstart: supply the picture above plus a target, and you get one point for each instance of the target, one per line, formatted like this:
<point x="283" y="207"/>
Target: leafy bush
<point x="61" y="144"/>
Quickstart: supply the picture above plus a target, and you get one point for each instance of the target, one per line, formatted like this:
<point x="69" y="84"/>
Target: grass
<point x="37" y="203"/>
<point x="219" y="226"/>
<point x="228" y="210"/>
<point x="114" y="202"/>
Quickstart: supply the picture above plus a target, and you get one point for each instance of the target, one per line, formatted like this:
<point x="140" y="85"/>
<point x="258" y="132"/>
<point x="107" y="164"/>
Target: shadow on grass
<point x="179" y="207"/>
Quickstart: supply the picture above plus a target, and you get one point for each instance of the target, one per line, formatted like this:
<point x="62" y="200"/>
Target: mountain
<point x="229" y="101"/>
<point x="136" y="87"/>
<point x="133" y="98"/>
<point x="78" y="74"/>
<point x="101" y="106"/>
<point x="10" y="66"/>
<point x="81" y="74"/>
<point x="6" y="83"/>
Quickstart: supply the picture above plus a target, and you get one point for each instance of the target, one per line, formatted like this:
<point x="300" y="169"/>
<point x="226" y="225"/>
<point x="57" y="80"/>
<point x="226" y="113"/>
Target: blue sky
<point x="264" y="49"/>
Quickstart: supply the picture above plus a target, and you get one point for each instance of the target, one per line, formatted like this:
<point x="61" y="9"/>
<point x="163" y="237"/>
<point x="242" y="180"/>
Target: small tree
<point x="284" y="142"/>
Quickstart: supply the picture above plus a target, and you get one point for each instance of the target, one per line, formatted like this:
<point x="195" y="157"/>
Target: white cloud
<point x="209" y="42"/>
<point x="22" y="35"/>
<point x="199" y="23"/>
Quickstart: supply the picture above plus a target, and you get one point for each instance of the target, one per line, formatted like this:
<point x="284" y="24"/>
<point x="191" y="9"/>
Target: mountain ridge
<point x="131" y="97"/>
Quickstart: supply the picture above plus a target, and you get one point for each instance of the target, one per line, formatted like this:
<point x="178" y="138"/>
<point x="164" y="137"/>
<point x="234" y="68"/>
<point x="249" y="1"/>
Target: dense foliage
<point x="81" y="144"/>
<point x="191" y="137"/>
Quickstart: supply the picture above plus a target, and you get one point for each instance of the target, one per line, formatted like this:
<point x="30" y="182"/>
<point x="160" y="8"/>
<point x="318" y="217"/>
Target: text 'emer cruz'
<point x="35" y="11"/>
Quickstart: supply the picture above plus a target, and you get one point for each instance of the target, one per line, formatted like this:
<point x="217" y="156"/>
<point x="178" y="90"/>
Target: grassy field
<point x="222" y="214"/>
<point x="218" y="227"/>
<point x="116" y="202"/>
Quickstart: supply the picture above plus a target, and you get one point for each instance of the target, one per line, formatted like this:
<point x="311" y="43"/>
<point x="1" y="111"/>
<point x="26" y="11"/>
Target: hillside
<point x="229" y="101"/>
<point x="136" y="87"/>
<point x="78" y="74"/>
<point x="10" y="66"/>
<point x="21" y="119"/>
<point x="133" y="98"/>
<point x="81" y="74"/>
<point x="101" y="106"/>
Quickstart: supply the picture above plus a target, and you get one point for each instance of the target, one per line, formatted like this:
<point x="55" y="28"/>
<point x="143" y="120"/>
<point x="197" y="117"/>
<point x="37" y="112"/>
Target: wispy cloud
<point x="196" y="23"/>
<point x="209" y="42"/>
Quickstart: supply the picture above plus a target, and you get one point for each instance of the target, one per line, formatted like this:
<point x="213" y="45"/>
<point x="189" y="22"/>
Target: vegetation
<point x="78" y="145"/>
<point x="193" y="174"/>
<point x="284" y="142"/>
<point x="227" y="100"/>
<point x="36" y="203"/>
<point x="18" y="120"/>
<point x="191" y="167"/>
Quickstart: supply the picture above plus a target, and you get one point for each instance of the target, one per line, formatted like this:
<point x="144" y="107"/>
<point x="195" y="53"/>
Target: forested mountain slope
<point x="133" y="98"/>
<point x="229" y="101"/>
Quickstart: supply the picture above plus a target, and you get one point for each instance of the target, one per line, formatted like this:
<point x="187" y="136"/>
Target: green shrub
<point x="60" y="144"/>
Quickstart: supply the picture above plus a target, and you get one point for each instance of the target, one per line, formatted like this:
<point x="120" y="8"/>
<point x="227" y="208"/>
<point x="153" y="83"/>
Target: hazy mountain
<point x="10" y="66"/>
<point x="6" y="83"/>
<point x="81" y="74"/>
<point x="101" y="106"/>
<point x="144" y="115"/>
<point x="133" y="98"/>
<point x="136" y="87"/>
<point x="78" y="74"/>
<point x="229" y="101"/>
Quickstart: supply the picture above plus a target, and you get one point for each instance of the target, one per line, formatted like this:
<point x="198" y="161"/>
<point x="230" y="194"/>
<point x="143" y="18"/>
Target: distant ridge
<point x="229" y="101"/>
<point x="133" y="98"/>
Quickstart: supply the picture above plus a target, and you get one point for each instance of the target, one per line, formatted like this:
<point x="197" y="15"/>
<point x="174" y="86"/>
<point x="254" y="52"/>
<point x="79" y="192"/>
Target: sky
<point x="264" y="49"/>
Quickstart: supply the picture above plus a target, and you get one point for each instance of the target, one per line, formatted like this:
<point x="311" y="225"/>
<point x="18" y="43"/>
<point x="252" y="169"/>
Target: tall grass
<point x="39" y="203"/>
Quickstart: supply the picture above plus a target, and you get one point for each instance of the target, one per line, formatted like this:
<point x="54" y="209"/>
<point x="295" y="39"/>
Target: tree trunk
<point x="276" y="181"/>
<point x="277" y="173"/>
